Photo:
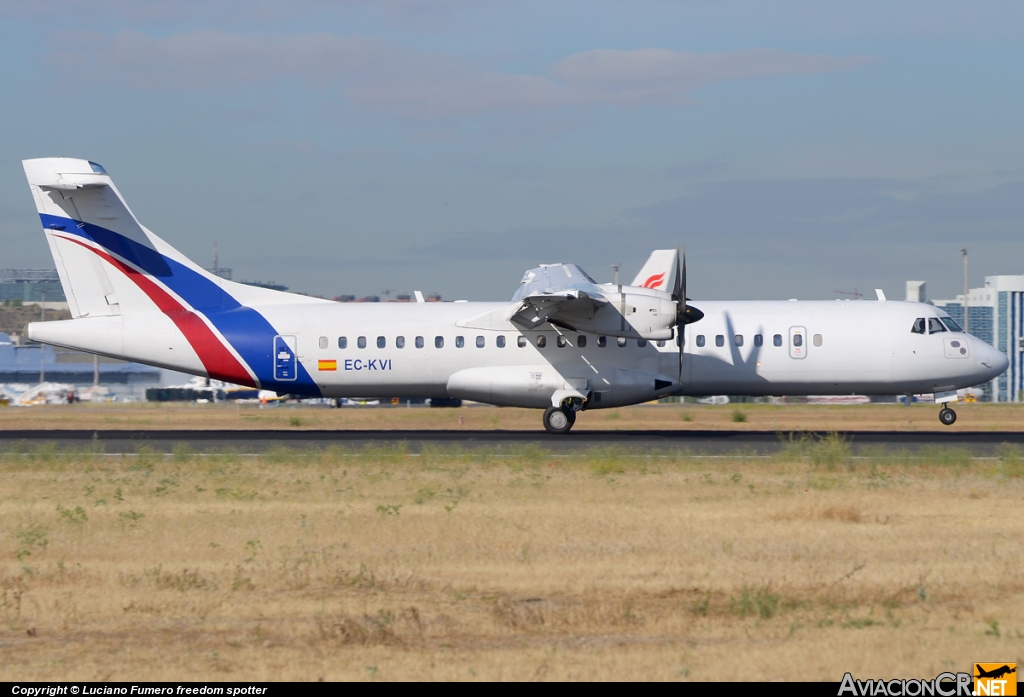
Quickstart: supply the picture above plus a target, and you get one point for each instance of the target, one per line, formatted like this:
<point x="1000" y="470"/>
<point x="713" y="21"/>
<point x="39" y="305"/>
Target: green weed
<point x="182" y="453"/>
<point x="1011" y="459"/>
<point x="32" y="537"/>
<point x="760" y="602"/>
<point x="74" y="515"/>
<point x="130" y="519"/>
<point x="424" y="494"/>
<point x="827" y="451"/>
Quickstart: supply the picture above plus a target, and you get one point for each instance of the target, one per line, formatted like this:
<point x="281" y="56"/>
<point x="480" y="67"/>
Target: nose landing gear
<point x="947" y="416"/>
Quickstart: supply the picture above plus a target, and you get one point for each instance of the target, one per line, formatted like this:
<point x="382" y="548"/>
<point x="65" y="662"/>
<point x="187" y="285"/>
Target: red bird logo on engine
<point x="654" y="281"/>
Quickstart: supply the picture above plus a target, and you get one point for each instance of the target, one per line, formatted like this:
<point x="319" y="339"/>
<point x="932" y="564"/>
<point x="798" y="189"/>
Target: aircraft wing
<point x="554" y="290"/>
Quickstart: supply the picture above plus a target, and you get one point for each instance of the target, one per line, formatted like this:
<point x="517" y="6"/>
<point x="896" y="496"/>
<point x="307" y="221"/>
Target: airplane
<point x="995" y="673"/>
<point x="564" y="343"/>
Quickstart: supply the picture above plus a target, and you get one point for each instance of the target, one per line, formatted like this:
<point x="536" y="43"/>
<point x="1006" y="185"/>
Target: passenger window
<point x="602" y="341"/>
<point x="581" y="341"/>
<point x="479" y="342"/>
<point x="542" y="341"/>
<point x="419" y="342"/>
<point x="323" y="342"/>
<point x="641" y="343"/>
<point x="918" y="327"/>
<point x="661" y="343"/>
<point x="561" y="341"/>
<point x="342" y="342"/>
<point x="935" y="326"/>
<point x="777" y="340"/>
<point x="817" y="339"/>
<point x="758" y="340"/>
<point x="361" y="342"/>
<point x="460" y="342"/>
<point x="399" y="342"/>
<point x="621" y="341"/>
<point x="381" y="342"/>
<point x="798" y="340"/>
<point x="438" y="342"/>
<point x="719" y="340"/>
<point x="738" y="339"/>
<point x="951" y="324"/>
<point x="700" y="341"/>
<point x="521" y="342"/>
<point x="500" y="341"/>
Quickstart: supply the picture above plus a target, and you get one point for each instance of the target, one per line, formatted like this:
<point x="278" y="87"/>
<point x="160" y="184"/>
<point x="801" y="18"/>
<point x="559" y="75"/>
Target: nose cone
<point x="994" y="361"/>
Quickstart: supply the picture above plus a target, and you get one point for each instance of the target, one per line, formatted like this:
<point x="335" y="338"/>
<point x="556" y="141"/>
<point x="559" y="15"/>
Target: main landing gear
<point x="947" y="416"/>
<point x="559" y="420"/>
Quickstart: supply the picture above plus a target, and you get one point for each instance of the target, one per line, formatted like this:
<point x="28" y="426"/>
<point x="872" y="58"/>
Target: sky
<point x="795" y="149"/>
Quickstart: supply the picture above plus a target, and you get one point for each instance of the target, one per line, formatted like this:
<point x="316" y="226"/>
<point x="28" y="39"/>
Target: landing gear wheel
<point x="947" y="416"/>
<point x="558" y="420"/>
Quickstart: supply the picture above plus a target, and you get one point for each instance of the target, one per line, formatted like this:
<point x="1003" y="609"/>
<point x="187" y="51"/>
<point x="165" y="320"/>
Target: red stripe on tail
<point x="220" y="363"/>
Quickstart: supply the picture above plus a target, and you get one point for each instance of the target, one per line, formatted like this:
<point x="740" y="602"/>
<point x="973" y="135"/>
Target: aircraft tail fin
<point x="659" y="271"/>
<point x="171" y="312"/>
<point x="109" y="263"/>
<point x="106" y="259"/>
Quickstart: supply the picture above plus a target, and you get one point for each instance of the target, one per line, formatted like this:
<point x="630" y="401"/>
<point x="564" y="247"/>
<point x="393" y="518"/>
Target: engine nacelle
<point x="533" y="386"/>
<point x="633" y="312"/>
<point x="541" y="386"/>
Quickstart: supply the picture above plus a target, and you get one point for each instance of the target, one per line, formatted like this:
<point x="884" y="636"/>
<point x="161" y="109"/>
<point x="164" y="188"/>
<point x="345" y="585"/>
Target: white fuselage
<point x="849" y="347"/>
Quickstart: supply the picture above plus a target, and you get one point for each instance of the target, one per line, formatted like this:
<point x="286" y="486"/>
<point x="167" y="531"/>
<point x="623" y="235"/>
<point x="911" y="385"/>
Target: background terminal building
<point x="30" y="286"/>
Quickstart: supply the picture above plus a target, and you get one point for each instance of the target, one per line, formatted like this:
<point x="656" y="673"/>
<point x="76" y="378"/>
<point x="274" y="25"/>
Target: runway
<point x="980" y="443"/>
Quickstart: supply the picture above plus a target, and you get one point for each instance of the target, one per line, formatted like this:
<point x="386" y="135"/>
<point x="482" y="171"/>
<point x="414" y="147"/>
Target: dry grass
<point x="509" y="564"/>
<point x="672" y="417"/>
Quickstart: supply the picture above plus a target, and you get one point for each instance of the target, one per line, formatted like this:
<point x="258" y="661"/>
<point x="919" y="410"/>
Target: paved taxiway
<point x="981" y="443"/>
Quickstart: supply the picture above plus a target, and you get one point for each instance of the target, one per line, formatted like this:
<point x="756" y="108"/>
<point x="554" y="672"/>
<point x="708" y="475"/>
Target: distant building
<point x="26" y="362"/>
<point x="221" y="272"/>
<point x="995" y="314"/>
<point x="30" y="286"/>
<point x="218" y="270"/>
<point x="272" y="285"/>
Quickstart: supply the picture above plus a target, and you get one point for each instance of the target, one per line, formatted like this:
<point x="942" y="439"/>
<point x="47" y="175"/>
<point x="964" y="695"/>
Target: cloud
<point x="418" y="15"/>
<point x="651" y="73"/>
<point x="212" y="60"/>
<point x="776" y="238"/>
<point x="384" y="76"/>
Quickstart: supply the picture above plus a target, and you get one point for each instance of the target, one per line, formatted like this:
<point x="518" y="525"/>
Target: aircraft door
<point x="284" y="358"/>
<point x="797" y="342"/>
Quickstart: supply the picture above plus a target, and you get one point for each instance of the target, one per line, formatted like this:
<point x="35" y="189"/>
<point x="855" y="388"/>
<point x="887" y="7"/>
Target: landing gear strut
<point x="559" y="420"/>
<point x="947" y="416"/>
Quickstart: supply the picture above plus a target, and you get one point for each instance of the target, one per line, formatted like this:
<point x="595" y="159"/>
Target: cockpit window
<point x="951" y="325"/>
<point x="935" y="326"/>
<point x="918" y="327"/>
<point x="98" y="169"/>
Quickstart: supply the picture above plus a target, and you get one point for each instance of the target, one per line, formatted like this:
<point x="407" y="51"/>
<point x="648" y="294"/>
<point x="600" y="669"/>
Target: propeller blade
<point x="677" y="283"/>
<point x="680" y="308"/>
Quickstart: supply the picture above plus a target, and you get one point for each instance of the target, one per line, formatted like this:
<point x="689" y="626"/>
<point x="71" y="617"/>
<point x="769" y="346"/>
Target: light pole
<point x="967" y="321"/>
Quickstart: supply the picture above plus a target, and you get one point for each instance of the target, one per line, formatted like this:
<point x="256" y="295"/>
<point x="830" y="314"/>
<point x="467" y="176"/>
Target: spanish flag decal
<point x="326" y="365"/>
